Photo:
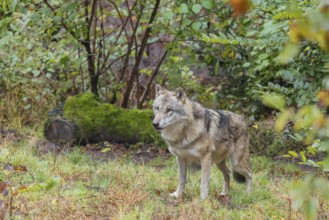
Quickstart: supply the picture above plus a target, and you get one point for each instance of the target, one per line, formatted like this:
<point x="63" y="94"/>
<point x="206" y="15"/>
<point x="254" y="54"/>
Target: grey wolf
<point x="202" y="135"/>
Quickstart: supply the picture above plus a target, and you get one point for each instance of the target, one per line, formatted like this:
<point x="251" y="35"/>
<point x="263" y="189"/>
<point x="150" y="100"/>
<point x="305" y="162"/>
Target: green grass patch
<point x="73" y="185"/>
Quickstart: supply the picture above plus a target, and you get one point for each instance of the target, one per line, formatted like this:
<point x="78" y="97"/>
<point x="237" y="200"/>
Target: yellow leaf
<point x="107" y="149"/>
<point x="293" y="153"/>
<point x="294" y="32"/>
<point x="289" y="52"/>
<point x="302" y="154"/>
<point x="282" y="120"/>
<point x="323" y="38"/>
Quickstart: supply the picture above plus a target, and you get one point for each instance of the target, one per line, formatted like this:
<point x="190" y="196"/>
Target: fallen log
<point x="62" y="131"/>
<point x="86" y="120"/>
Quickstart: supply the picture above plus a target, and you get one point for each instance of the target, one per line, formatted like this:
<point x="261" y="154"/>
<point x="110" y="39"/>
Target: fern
<point x="286" y="16"/>
<point x="222" y="39"/>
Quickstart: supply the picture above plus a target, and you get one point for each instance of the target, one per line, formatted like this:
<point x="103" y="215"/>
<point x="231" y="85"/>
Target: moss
<point x="95" y="118"/>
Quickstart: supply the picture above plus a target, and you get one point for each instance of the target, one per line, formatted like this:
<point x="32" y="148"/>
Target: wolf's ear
<point x="159" y="90"/>
<point x="180" y="94"/>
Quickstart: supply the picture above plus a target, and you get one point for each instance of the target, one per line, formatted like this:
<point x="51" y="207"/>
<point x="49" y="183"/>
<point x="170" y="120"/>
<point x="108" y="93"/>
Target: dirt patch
<point x="140" y="153"/>
<point x="104" y="151"/>
<point x="10" y="135"/>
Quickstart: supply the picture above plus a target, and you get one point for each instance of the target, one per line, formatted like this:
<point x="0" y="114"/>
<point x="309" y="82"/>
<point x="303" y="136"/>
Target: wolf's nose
<point x="156" y="126"/>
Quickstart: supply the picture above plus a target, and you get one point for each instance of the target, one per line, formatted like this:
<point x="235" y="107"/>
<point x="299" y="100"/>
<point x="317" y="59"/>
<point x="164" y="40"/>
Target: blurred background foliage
<point x="309" y="27"/>
<point x="221" y="58"/>
<point x="262" y="59"/>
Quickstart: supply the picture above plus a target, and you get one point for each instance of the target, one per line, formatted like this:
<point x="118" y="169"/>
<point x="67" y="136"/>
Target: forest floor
<point x="39" y="180"/>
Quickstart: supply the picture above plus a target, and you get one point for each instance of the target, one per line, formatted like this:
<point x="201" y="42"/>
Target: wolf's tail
<point x="238" y="177"/>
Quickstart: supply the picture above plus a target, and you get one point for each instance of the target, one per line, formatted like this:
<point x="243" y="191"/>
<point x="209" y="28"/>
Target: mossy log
<point x="87" y="120"/>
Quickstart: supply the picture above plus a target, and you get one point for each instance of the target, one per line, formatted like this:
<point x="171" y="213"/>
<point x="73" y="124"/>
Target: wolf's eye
<point x="156" y="108"/>
<point x="169" y="111"/>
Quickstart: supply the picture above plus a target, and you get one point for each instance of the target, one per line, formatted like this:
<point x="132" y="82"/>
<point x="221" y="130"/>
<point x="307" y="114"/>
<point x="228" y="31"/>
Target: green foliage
<point x="266" y="141"/>
<point x="306" y="192"/>
<point x="32" y="63"/>
<point x="313" y="189"/>
<point x="94" y="117"/>
<point x="311" y="119"/>
<point x="44" y="45"/>
<point x="306" y="156"/>
<point x="7" y="6"/>
<point x="184" y="77"/>
<point x="274" y="101"/>
<point x="244" y="60"/>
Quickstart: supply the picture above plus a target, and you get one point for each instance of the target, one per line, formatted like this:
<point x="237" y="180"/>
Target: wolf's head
<point x="169" y="108"/>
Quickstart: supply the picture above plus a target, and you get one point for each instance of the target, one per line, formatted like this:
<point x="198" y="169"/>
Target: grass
<point x="73" y="185"/>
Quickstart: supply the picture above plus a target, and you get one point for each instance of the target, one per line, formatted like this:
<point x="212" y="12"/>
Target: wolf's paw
<point x="203" y="196"/>
<point x="224" y="193"/>
<point x="175" y="194"/>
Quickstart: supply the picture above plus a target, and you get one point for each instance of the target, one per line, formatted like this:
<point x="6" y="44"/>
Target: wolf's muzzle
<point x="156" y="126"/>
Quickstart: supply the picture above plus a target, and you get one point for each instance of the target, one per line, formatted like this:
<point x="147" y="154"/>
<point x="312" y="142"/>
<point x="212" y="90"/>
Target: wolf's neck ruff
<point x="187" y="133"/>
<point x="182" y="137"/>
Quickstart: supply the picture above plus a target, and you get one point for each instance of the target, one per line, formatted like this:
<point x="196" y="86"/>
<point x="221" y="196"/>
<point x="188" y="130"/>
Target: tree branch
<point x="123" y="24"/>
<point x="130" y="45"/>
<point x="134" y="72"/>
<point x="149" y="83"/>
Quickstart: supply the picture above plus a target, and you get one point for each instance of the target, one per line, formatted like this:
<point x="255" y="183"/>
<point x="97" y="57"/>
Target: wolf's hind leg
<point x="226" y="174"/>
<point x="241" y="174"/>
<point x="182" y="169"/>
<point x="240" y="162"/>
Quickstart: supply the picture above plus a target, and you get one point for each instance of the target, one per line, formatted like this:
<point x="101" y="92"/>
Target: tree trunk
<point x="94" y="84"/>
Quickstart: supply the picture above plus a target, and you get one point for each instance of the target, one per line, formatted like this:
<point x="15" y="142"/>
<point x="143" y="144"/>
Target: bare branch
<point x="149" y="83"/>
<point x="121" y="18"/>
<point x="140" y="54"/>
<point x="123" y="25"/>
<point x="130" y="44"/>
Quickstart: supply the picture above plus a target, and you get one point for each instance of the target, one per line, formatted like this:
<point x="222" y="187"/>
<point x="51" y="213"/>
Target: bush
<point x="25" y="105"/>
<point x="266" y="141"/>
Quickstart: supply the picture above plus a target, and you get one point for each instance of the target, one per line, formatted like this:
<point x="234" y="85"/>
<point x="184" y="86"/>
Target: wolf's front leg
<point x="182" y="168"/>
<point x="205" y="175"/>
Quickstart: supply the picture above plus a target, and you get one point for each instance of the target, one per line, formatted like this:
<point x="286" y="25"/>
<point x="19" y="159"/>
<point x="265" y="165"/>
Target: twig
<point x="149" y="83"/>
<point x="123" y="24"/>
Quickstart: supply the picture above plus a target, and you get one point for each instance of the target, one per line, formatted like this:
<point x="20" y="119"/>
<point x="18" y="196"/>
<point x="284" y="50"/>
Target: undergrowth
<point x="27" y="104"/>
